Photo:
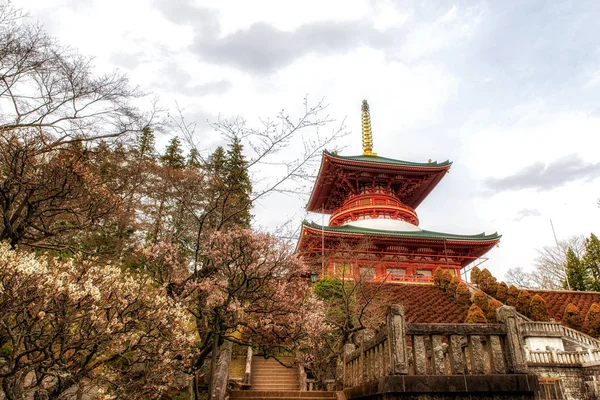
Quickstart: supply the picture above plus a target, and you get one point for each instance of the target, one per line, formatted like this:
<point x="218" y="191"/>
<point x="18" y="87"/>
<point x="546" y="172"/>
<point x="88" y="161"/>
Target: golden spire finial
<point x="367" y="135"/>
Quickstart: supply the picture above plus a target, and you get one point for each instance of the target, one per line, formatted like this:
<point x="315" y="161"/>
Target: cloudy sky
<point x="507" y="90"/>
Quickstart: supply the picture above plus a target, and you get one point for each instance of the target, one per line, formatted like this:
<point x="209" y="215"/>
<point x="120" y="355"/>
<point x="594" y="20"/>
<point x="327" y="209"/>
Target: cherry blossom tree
<point x="77" y="326"/>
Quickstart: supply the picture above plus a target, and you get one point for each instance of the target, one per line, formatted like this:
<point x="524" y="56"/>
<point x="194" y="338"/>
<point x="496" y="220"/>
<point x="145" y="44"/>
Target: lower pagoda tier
<point x="388" y="254"/>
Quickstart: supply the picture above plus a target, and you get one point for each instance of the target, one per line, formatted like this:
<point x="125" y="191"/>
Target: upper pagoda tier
<point x="341" y="177"/>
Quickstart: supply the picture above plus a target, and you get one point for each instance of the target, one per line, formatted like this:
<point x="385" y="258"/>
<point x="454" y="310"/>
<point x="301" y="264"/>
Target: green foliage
<point x="502" y="292"/>
<point x="463" y="295"/>
<point x="173" y="156"/>
<point x="238" y="184"/>
<point x="523" y="302"/>
<point x="145" y="142"/>
<point x="538" y="310"/>
<point x="575" y="270"/>
<point x="475" y="272"/>
<point x="6" y="349"/>
<point x="592" y="320"/>
<point x="591" y="262"/>
<point x="475" y="316"/>
<point x="446" y="279"/>
<point x="329" y="288"/>
<point x="511" y="297"/>
<point x="572" y="317"/>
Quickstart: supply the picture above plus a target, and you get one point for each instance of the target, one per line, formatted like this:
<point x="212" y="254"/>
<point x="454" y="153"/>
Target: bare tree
<point x="520" y="278"/>
<point x="551" y="261"/>
<point x="53" y="112"/>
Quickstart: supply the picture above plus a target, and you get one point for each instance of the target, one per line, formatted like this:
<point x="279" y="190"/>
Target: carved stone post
<point x="396" y="326"/>
<point x="348" y="349"/>
<point x="517" y="361"/>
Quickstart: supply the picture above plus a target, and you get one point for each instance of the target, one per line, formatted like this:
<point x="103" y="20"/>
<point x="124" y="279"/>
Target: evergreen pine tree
<point x="475" y="272"/>
<point x="193" y="160"/>
<point x="173" y="156"/>
<point x="145" y="143"/>
<point x="591" y="262"/>
<point x="475" y="316"/>
<point x="523" y="302"/>
<point x="238" y="184"/>
<point x="575" y="272"/>
<point x="511" y="298"/>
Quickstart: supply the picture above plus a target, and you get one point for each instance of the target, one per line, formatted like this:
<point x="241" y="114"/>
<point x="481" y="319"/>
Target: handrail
<point x="580" y="337"/>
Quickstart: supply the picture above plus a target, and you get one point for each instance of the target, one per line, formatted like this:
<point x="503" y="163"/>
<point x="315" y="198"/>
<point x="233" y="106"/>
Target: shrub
<point x="491" y="313"/>
<point x="523" y="301"/>
<point x="480" y="300"/>
<point x="437" y="276"/>
<point x="593" y="319"/>
<point x="572" y="317"/>
<point x="475" y="316"/>
<point x="492" y="286"/>
<point x="484" y="276"/>
<point x="453" y="285"/>
<point x="511" y="298"/>
<point x="538" y="310"/>
<point x="502" y="292"/>
<point x="475" y="275"/>
<point x="463" y="294"/>
<point x="446" y="278"/>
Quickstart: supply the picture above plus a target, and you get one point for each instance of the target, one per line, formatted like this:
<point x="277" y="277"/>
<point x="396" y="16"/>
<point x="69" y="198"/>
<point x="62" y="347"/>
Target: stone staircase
<point x="271" y="380"/>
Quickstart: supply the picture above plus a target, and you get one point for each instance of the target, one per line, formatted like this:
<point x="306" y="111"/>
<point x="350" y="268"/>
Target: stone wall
<point x="571" y="379"/>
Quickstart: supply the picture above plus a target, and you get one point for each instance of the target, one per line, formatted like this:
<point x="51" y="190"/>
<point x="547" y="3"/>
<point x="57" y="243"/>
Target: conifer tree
<point x="145" y="143"/>
<point x="463" y="295"/>
<point x="591" y="262"/>
<point x="484" y="276"/>
<point x="513" y="293"/>
<point x="538" y="310"/>
<point x="453" y="285"/>
<point x="593" y="320"/>
<point x="480" y="299"/>
<point x="575" y="272"/>
<point x="492" y="286"/>
<point x="572" y="317"/>
<point x="502" y="292"/>
<point x="523" y="302"/>
<point x="173" y="156"/>
<point x="475" y="316"/>
<point x="475" y="272"/>
<point x="238" y="184"/>
<point x="492" y="307"/>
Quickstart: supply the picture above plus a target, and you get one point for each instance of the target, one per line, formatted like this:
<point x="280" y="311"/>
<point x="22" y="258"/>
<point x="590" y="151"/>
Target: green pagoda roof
<point x="422" y="234"/>
<point x="390" y="161"/>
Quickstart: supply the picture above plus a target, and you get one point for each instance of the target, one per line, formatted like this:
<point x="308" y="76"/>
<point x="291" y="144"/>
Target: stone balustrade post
<point x="348" y="349"/>
<point x="517" y="359"/>
<point x="396" y="326"/>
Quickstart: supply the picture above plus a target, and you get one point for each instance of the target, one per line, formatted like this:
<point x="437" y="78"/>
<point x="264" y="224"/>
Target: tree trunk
<point x="213" y="364"/>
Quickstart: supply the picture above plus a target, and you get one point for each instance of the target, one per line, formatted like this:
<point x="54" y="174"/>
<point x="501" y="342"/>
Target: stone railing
<point x="563" y="358"/>
<point x="541" y="328"/>
<point x="437" y="349"/>
<point x="580" y="337"/>
<point x="555" y="329"/>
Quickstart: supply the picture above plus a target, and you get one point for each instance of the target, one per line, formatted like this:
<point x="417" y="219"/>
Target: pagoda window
<point x="396" y="274"/>
<point x="365" y="202"/>
<point x="342" y="269"/>
<point x="368" y="273"/>
<point x="424" y="272"/>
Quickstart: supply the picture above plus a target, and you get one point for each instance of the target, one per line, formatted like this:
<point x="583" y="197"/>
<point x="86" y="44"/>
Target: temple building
<point x="373" y="231"/>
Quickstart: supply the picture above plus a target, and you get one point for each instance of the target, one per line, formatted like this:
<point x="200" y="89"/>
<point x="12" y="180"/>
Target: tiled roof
<point x="422" y="303"/>
<point x="406" y="234"/>
<point x="557" y="300"/>
<point x="391" y="161"/>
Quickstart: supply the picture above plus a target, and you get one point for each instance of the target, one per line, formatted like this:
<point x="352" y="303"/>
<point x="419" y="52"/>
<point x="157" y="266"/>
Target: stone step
<point x="261" y="394"/>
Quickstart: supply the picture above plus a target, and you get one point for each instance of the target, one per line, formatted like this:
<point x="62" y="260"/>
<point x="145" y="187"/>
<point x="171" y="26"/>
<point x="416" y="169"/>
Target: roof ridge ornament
<point x="367" y="135"/>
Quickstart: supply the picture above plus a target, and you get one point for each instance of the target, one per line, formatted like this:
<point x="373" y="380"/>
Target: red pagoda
<point x="373" y="230"/>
